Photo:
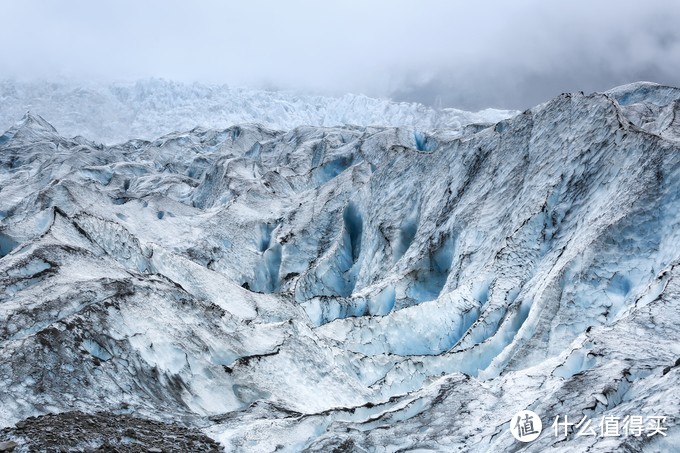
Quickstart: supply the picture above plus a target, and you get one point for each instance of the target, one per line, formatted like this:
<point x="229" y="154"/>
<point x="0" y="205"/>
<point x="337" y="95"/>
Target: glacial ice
<point x="148" y="109"/>
<point x="357" y="287"/>
<point x="7" y="244"/>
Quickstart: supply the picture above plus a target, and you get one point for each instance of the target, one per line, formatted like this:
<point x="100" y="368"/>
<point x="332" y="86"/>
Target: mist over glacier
<point x="321" y="281"/>
<point x="116" y="112"/>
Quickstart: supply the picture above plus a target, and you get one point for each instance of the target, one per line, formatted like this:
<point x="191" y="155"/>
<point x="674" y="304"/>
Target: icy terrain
<point x="352" y="288"/>
<point x="113" y="113"/>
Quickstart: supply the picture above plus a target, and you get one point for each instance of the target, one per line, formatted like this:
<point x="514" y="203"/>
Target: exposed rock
<point x="70" y="431"/>
<point x="8" y="446"/>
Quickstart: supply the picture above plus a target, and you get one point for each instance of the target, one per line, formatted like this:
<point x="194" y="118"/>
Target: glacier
<point x="146" y="109"/>
<point x="350" y="287"/>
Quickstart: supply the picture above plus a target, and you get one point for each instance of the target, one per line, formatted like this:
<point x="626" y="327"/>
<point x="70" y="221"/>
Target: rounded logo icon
<point x="525" y="426"/>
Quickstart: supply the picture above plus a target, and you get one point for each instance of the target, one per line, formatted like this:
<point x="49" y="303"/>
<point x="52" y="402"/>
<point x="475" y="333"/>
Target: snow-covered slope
<point x="352" y="288"/>
<point x="113" y="113"/>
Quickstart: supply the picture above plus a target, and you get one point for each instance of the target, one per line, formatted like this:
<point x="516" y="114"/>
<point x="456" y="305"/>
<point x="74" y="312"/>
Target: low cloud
<point x="490" y="53"/>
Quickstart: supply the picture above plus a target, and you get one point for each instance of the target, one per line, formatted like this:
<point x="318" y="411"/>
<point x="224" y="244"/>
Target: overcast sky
<point x="471" y="55"/>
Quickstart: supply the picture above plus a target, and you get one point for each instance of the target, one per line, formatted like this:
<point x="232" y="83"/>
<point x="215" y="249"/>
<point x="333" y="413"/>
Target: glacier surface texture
<point x="335" y="287"/>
